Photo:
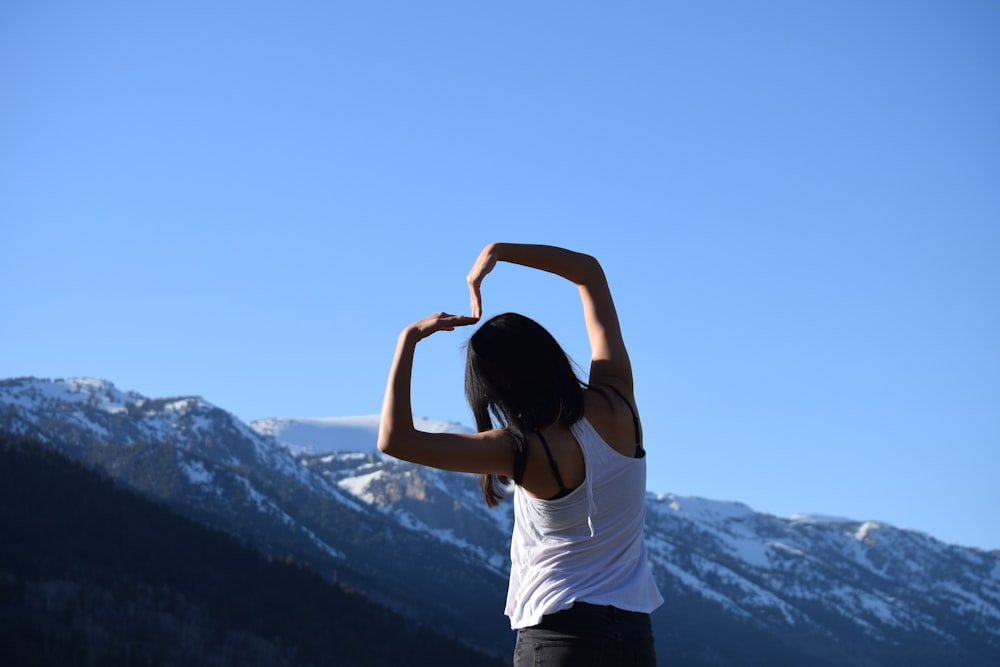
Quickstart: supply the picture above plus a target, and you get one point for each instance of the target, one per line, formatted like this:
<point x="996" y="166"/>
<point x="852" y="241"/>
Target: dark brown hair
<point x="519" y="378"/>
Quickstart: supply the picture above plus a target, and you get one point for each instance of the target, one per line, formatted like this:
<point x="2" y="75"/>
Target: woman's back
<point x="613" y="420"/>
<point x="586" y="545"/>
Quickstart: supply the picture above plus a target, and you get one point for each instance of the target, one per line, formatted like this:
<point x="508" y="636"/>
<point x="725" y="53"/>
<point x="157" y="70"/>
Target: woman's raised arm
<point x="609" y="362"/>
<point x="397" y="436"/>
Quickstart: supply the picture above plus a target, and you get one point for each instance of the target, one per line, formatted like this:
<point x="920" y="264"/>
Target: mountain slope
<point x="829" y="591"/>
<point x="742" y="587"/>
<point x="207" y="465"/>
<point x="92" y="575"/>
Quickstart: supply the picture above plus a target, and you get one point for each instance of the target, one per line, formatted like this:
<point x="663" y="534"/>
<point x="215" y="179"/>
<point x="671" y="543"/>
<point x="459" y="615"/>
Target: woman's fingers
<point x="453" y="321"/>
<point x="442" y="322"/>
<point x="484" y="264"/>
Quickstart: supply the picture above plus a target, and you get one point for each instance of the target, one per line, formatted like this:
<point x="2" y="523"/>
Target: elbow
<point x="590" y="271"/>
<point x="384" y="442"/>
<point x="593" y="266"/>
<point x="390" y="441"/>
<point x="395" y="434"/>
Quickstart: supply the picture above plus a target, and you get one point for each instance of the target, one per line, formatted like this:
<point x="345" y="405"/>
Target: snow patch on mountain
<point x="358" y="486"/>
<point x="704" y="510"/>
<point x="865" y="531"/>
<point x="29" y="392"/>
<point x="196" y="472"/>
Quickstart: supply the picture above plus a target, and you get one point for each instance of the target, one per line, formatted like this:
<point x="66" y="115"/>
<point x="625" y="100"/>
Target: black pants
<point x="587" y="635"/>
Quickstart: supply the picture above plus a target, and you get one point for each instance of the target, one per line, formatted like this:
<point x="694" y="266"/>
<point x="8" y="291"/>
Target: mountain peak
<point x="95" y="393"/>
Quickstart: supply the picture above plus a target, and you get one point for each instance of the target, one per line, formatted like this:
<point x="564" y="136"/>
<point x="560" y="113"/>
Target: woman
<point x="580" y="588"/>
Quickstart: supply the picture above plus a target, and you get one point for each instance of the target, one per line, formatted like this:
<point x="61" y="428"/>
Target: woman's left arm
<point x="490" y="452"/>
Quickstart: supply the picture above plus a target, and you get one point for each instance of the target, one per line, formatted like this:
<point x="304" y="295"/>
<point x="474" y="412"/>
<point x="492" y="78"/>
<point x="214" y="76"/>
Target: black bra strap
<point x="552" y="461"/>
<point x="635" y="417"/>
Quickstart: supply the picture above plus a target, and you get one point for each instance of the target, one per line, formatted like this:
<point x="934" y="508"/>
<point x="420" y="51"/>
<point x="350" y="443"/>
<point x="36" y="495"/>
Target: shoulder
<point x="611" y="411"/>
<point x="610" y="396"/>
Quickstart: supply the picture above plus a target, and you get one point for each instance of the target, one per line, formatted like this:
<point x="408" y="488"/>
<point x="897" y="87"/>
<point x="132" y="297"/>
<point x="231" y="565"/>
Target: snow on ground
<point x="704" y="510"/>
<point x="358" y="486"/>
<point x="196" y="472"/>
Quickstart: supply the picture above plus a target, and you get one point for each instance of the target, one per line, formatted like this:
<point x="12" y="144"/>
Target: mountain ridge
<point x="820" y="589"/>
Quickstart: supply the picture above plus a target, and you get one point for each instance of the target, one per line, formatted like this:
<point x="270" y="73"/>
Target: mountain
<point x="338" y="434"/>
<point x="91" y="574"/>
<point x="208" y="465"/>
<point x="742" y="588"/>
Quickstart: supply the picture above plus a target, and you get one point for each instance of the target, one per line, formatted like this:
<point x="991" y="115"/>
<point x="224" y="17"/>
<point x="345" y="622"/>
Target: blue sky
<point x="797" y="203"/>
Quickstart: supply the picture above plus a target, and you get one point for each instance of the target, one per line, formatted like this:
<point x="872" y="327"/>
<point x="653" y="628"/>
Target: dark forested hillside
<point x="91" y="574"/>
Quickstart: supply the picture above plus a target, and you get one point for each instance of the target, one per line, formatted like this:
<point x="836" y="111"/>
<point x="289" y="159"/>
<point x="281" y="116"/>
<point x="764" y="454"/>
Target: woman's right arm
<point x="488" y="452"/>
<point x="609" y="363"/>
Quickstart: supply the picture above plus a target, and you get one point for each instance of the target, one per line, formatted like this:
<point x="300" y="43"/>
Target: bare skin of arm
<point x="609" y="362"/>
<point x="484" y="453"/>
<point x="491" y="452"/>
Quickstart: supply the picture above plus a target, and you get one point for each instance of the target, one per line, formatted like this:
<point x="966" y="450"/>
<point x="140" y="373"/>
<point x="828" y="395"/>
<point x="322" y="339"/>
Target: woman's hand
<point x="438" y="322"/>
<point x="609" y="360"/>
<point x="484" y="264"/>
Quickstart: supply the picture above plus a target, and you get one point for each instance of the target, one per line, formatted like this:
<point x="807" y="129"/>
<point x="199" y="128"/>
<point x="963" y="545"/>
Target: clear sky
<point x="797" y="204"/>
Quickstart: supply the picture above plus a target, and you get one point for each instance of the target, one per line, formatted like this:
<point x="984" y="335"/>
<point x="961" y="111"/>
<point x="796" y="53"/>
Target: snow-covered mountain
<point x="287" y="501"/>
<point x="738" y="583"/>
<point x="337" y="434"/>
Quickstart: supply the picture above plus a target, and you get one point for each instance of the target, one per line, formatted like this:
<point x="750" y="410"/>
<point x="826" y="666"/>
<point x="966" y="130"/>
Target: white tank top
<point x="586" y="546"/>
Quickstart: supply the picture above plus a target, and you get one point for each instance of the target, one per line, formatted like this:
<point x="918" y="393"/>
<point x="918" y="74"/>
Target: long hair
<point x="518" y="377"/>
